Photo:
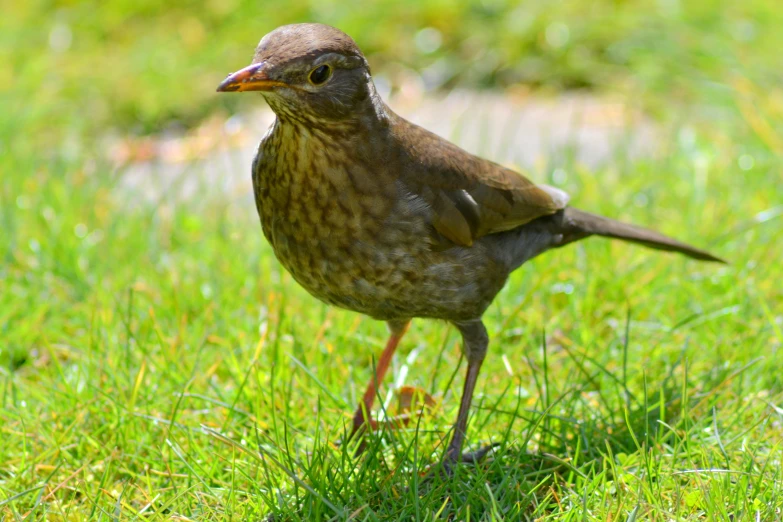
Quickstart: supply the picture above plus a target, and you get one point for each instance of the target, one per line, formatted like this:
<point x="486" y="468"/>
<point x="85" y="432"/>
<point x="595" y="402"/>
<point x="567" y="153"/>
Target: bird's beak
<point x="252" y="78"/>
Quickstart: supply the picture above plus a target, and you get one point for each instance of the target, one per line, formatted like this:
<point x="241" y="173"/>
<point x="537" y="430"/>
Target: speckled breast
<point x="333" y="231"/>
<point x="347" y="236"/>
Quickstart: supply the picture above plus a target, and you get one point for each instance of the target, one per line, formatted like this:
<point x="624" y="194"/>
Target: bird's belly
<point x="350" y="273"/>
<point x="386" y="276"/>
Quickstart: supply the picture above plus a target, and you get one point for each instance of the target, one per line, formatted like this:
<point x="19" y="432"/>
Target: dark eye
<point x="320" y="74"/>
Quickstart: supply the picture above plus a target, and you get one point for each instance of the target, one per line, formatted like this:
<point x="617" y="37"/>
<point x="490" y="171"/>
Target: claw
<point x="474" y="457"/>
<point x="448" y="465"/>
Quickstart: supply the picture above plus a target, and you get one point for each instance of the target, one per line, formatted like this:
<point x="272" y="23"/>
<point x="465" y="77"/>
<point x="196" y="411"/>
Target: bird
<point x="372" y="213"/>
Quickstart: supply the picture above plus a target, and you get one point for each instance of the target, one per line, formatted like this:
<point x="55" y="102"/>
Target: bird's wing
<point x="470" y="197"/>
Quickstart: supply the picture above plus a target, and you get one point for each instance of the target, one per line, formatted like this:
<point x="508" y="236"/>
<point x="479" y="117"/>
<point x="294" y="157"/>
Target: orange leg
<point x="363" y="415"/>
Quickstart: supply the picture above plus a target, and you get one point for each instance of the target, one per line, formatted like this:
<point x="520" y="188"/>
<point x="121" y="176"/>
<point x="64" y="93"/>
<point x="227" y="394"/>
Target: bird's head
<point x="307" y="72"/>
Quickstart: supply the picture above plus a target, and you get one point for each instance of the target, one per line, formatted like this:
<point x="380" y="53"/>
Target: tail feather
<point x="578" y="224"/>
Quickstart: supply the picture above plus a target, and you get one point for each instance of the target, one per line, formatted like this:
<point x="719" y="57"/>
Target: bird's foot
<point x="451" y="459"/>
<point x="358" y="433"/>
<point x="361" y="429"/>
<point x="474" y="457"/>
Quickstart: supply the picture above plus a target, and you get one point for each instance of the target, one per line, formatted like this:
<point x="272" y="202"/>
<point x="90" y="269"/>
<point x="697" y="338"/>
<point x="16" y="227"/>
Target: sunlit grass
<point x="157" y="362"/>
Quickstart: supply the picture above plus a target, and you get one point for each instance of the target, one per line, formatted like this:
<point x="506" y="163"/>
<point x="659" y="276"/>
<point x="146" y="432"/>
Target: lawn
<point x="156" y="362"/>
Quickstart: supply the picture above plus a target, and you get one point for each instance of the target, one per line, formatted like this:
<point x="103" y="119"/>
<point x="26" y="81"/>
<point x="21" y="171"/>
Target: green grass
<point x="156" y="362"/>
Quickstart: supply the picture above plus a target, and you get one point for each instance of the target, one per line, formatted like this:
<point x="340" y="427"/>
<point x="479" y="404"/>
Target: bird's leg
<point x="474" y="346"/>
<point x="363" y="415"/>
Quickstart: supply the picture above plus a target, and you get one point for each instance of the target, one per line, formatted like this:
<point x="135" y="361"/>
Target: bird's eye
<point x="320" y="74"/>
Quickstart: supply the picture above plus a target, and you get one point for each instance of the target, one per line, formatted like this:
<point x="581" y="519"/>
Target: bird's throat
<point x="310" y="182"/>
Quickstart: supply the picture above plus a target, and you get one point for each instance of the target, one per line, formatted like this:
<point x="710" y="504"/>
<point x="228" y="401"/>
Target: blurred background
<point x="139" y="302"/>
<point x="80" y="68"/>
<point x="131" y="82"/>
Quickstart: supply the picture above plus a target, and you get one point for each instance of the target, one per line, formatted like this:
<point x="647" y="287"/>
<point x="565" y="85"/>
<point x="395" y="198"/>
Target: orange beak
<point x="251" y="78"/>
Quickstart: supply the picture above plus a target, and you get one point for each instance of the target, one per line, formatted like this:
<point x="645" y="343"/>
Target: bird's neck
<point x="323" y="143"/>
<point x="300" y="150"/>
<point x="366" y="113"/>
<point x="301" y="153"/>
<point x="301" y="167"/>
<point x="321" y="179"/>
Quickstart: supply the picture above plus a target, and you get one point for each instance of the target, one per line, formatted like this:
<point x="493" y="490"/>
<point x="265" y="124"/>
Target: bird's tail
<point x="577" y="224"/>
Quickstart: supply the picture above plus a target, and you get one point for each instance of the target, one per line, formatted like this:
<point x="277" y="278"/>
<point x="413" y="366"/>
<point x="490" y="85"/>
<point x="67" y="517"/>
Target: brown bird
<point x="372" y="213"/>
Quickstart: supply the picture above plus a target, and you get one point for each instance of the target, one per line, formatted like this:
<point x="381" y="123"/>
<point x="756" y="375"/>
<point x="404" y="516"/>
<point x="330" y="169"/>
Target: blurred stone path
<point x="526" y="131"/>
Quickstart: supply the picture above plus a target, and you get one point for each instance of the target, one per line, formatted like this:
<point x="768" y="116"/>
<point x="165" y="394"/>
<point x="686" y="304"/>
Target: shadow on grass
<point x="583" y="436"/>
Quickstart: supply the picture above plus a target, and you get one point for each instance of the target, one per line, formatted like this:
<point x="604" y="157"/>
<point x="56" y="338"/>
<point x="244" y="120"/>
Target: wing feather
<point x="469" y="197"/>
